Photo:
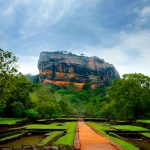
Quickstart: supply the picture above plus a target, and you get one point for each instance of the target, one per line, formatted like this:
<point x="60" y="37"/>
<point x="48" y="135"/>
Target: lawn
<point x="145" y="121"/>
<point x="129" y="128"/>
<point x="120" y="142"/>
<point x="103" y="126"/>
<point x="146" y="134"/>
<point x="45" y="126"/>
<point x="10" y="121"/>
<point x="68" y="138"/>
<point x="11" y="137"/>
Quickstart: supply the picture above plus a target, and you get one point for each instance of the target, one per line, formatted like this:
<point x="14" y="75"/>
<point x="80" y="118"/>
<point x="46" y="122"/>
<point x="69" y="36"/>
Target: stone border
<point x="77" y="144"/>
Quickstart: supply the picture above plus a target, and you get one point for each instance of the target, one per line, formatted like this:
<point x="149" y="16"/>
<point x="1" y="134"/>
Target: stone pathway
<point x="90" y="140"/>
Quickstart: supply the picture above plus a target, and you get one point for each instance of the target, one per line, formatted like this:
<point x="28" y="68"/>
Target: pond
<point x="137" y="140"/>
<point x="24" y="140"/>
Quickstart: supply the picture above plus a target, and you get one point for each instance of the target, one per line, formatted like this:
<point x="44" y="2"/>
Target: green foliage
<point x="19" y="97"/>
<point x="31" y="113"/>
<point x="47" y="109"/>
<point x="17" y="109"/>
<point x="87" y="87"/>
<point x="15" y="88"/>
<point x="7" y="71"/>
<point x="131" y="94"/>
<point x="7" y="62"/>
<point x="44" y="101"/>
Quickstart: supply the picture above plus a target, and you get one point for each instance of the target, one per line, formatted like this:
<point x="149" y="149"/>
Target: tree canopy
<point x="130" y="96"/>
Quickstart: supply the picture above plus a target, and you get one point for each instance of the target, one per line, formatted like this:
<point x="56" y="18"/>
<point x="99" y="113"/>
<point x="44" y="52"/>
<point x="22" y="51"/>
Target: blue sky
<point x="115" y="30"/>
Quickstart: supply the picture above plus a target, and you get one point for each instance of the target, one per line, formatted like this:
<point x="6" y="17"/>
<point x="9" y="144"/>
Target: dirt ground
<point x="90" y="140"/>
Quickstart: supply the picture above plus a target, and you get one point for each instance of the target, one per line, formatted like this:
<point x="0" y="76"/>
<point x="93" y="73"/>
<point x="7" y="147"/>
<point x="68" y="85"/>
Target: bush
<point x="17" y="109"/>
<point x="31" y="113"/>
<point x="47" y="109"/>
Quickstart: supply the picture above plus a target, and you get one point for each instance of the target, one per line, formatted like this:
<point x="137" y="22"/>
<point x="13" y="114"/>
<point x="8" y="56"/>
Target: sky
<point x="115" y="30"/>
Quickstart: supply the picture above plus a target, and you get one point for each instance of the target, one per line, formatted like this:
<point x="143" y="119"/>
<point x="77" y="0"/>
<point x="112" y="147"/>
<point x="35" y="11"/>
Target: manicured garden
<point x="62" y="132"/>
<point x="68" y="138"/>
<point x="56" y="133"/>
<point x="10" y="121"/>
<point x="145" y="121"/>
<point x="129" y="128"/>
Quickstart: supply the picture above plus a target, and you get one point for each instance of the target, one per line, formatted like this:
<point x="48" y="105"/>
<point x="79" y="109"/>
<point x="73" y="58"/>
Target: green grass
<point x="50" y="137"/>
<point x="122" y="143"/>
<point x="104" y="126"/>
<point x="11" y="137"/>
<point x="145" y="121"/>
<point x="129" y="128"/>
<point x="45" y="126"/>
<point x="10" y="121"/>
<point x="146" y="134"/>
<point x="68" y="138"/>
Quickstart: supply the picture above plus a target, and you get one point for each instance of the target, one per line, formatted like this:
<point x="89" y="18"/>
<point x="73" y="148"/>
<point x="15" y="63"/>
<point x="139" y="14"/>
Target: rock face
<point x="63" y="68"/>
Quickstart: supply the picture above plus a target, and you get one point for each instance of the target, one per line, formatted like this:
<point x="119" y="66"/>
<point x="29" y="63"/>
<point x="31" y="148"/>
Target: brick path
<point x="90" y="140"/>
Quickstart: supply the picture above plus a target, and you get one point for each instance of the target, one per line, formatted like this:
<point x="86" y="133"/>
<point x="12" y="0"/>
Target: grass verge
<point x="146" y="134"/>
<point x="145" y="121"/>
<point x="50" y="137"/>
<point x="68" y="138"/>
<point x="45" y="126"/>
<point x="129" y="128"/>
<point x="120" y="142"/>
<point x="10" y="121"/>
<point x="11" y="137"/>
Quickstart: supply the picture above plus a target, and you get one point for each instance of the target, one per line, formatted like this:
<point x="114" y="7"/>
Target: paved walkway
<point x="90" y="140"/>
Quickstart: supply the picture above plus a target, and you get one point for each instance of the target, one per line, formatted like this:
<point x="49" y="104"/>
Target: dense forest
<point x="23" y="96"/>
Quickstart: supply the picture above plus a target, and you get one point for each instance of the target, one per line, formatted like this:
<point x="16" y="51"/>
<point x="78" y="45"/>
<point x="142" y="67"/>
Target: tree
<point x="86" y="87"/>
<point x="17" y="109"/>
<point x="20" y="93"/>
<point x="14" y="87"/>
<point x="47" y="109"/>
<point x="7" y="70"/>
<point x="7" y="63"/>
<point x="131" y="95"/>
<point x="31" y="113"/>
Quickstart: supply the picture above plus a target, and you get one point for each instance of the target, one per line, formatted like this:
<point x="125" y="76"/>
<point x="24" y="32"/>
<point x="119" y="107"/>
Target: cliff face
<point x="62" y="68"/>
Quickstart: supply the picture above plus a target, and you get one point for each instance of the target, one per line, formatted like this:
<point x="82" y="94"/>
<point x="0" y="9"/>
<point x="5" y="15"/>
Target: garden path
<point x="90" y="140"/>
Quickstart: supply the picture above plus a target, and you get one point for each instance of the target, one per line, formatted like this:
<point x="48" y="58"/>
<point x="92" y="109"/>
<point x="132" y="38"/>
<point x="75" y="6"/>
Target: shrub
<point x="31" y="113"/>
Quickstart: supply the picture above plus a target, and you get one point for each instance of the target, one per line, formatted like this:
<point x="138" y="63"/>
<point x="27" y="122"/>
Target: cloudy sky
<point x="116" y="30"/>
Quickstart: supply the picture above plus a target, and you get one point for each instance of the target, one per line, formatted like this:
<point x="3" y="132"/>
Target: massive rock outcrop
<point x="63" y="68"/>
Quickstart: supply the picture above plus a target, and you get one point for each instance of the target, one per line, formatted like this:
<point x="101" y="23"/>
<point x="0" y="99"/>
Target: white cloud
<point x="144" y="15"/>
<point x="129" y="55"/>
<point x="43" y="13"/>
<point x="28" y="64"/>
<point x="145" y="11"/>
